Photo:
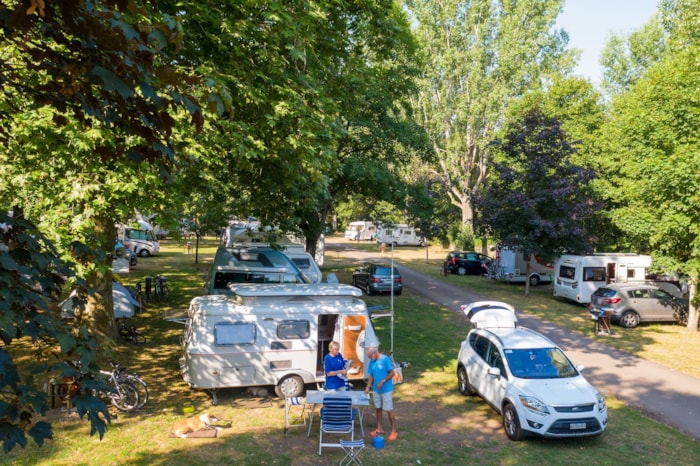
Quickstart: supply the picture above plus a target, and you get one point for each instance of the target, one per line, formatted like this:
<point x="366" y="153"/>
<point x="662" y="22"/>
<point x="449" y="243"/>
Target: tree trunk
<point x="693" y="314"/>
<point x="99" y="309"/>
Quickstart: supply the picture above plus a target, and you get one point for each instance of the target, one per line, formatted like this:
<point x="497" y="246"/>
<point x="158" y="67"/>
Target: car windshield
<point x="539" y="363"/>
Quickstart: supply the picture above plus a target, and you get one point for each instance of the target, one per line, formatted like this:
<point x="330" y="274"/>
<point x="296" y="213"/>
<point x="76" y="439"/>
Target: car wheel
<point x="629" y="319"/>
<point x="461" y="270"/>
<point x="534" y="280"/>
<point x="292" y="385"/>
<point x="511" y="423"/>
<point x="463" y="385"/>
<point x="144" y="253"/>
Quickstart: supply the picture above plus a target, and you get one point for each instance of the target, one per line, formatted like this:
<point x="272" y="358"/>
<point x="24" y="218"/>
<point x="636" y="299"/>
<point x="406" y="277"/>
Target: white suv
<point x="526" y="377"/>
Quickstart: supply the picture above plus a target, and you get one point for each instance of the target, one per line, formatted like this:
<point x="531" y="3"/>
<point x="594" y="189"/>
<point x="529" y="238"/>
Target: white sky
<point x="590" y="22"/>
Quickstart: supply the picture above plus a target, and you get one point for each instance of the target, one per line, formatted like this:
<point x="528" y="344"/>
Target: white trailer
<point x="577" y="277"/>
<point x="361" y="231"/>
<point x="511" y="267"/>
<point x="399" y="235"/>
<point x="277" y="335"/>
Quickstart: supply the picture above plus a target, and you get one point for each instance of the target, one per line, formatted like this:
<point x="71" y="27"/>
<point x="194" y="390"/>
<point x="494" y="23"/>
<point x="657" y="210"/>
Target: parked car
<point x="376" y="278"/>
<point x="632" y="303"/>
<point x="526" y="377"/>
<point x="468" y="263"/>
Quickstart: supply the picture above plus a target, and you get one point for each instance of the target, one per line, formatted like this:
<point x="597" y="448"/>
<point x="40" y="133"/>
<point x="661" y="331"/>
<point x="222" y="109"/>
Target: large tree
<point x="479" y="56"/>
<point x="535" y="200"/>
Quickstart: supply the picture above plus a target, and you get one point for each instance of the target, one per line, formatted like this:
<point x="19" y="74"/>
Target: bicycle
<point x="121" y="392"/>
<point x="133" y="379"/>
<point x="161" y="292"/>
<point x="129" y="333"/>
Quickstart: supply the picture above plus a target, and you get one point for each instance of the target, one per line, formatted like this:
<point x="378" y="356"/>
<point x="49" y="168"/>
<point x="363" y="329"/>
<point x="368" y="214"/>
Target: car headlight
<point x="601" y="402"/>
<point x="534" y="404"/>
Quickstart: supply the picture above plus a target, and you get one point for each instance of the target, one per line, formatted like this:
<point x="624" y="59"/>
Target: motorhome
<point x="242" y="264"/>
<point x="265" y="335"/>
<point x="141" y="241"/>
<point x="577" y="277"/>
<point x="399" y="235"/>
<point x="361" y="231"/>
<point x="510" y="266"/>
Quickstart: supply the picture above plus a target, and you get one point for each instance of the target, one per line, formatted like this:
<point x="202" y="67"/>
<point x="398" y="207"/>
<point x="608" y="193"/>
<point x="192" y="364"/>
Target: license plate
<point x="577" y="425"/>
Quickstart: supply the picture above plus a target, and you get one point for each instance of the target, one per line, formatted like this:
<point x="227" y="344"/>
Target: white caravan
<point x="577" y="277"/>
<point x="399" y="235"/>
<point x="511" y="267"/>
<point x="361" y="231"/>
<point x="277" y="335"/>
<point x="141" y="241"/>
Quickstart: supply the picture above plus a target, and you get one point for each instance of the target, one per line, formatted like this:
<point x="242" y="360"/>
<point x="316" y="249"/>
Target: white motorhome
<point x="577" y="277"/>
<point x="399" y="235"/>
<point x="273" y="335"/>
<point x="511" y="266"/>
<point x="361" y="231"/>
<point x="141" y="241"/>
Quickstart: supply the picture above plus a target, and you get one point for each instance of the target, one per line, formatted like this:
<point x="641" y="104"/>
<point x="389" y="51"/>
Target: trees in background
<point x="478" y="57"/>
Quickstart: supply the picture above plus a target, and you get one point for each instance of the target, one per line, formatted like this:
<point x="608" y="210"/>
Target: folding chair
<point x="336" y="418"/>
<point x="352" y="449"/>
<point x="289" y="402"/>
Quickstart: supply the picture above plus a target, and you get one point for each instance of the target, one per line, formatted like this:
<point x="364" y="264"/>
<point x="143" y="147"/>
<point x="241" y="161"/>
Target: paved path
<point x="659" y="392"/>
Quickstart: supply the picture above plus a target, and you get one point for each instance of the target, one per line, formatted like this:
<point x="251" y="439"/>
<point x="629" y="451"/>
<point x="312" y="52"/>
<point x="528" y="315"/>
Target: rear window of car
<point x="385" y="271"/>
<point x="604" y="292"/>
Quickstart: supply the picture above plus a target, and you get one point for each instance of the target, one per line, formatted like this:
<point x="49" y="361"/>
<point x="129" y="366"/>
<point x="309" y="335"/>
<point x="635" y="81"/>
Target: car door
<point x="664" y="308"/>
<point x="495" y="386"/>
<point x="477" y="367"/>
<point x="643" y="303"/>
<point x="473" y="263"/>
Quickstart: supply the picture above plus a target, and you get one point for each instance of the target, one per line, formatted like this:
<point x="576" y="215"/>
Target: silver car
<point x="630" y="304"/>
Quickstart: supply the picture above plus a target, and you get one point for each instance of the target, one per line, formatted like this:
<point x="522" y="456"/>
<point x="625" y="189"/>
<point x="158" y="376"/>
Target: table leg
<point x="311" y="419"/>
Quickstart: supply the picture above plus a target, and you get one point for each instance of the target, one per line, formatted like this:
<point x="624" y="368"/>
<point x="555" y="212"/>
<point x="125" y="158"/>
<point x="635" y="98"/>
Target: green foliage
<point x="32" y="280"/>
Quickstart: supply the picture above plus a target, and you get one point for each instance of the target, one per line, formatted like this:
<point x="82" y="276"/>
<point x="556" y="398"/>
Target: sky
<point x="590" y="22"/>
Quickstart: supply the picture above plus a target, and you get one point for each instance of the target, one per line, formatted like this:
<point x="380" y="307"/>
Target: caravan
<point x="273" y="335"/>
<point x="399" y="235"/>
<point x="141" y="241"/>
<point x="577" y="277"/>
<point x="361" y="231"/>
<point x="511" y="266"/>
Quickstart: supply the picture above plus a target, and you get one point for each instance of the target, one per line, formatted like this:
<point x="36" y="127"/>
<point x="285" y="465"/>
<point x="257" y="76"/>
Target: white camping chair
<point x="336" y="418"/>
<point x="294" y="421"/>
<point x="352" y="449"/>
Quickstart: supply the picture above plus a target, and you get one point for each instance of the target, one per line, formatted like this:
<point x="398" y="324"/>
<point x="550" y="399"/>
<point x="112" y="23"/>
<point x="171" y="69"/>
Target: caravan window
<point x="567" y="272"/>
<point x="594" y="274"/>
<point x="293" y="330"/>
<point x="226" y="333"/>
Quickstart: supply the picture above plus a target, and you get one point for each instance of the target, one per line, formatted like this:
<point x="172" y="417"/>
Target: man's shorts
<point x="383" y="400"/>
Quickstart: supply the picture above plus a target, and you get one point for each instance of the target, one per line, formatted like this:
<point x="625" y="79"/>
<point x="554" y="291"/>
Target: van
<point x="360" y="231"/>
<point x="577" y="277"/>
<point x="251" y="265"/>
<point x="399" y="235"/>
<point x="140" y="241"/>
<point x="510" y="266"/>
<point x="273" y="335"/>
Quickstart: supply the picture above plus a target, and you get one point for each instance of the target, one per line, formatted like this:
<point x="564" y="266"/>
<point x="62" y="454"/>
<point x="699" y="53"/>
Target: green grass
<point x="437" y="425"/>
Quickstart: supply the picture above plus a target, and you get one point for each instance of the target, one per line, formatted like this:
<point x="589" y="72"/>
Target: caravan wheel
<point x="292" y="385"/>
<point x="534" y="280"/>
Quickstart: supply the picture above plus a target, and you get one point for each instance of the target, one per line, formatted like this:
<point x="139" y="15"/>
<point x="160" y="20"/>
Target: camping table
<point x="315" y="397"/>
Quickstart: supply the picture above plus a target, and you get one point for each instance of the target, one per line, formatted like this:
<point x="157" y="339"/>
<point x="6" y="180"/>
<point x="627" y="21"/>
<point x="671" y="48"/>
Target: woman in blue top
<point x="334" y="366"/>
<point x="381" y="373"/>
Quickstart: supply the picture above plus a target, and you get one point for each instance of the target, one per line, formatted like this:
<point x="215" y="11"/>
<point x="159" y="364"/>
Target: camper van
<point x="511" y="267"/>
<point x="360" y="231"/>
<point x="140" y="241"/>
<point x="399" y="235"/>
<point x="265" y="335"/>
<point x="251" y="265"/>
<point x="577" y="277"/>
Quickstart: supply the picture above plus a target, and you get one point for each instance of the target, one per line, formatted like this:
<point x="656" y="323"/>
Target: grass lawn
<point x="437" y="425"/>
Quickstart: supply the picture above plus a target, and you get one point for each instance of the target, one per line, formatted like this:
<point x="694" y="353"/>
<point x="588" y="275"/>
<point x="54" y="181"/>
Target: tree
<point x="479" y="56"/>
<point x="535" y="200"/>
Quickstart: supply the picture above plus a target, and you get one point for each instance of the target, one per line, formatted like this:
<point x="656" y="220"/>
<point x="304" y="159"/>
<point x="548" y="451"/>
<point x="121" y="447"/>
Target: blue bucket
<point x="378" y="442"/>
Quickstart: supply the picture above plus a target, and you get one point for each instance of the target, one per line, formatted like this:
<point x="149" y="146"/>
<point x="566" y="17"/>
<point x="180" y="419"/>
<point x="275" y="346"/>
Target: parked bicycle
<point x="129" y="333"/>
<point x="161" y="291"/>
<point x="133" y="379"/>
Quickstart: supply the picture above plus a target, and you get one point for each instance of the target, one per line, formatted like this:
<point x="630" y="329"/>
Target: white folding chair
<point x="352" y="449"/>
<point x="292" y="420"/>
<point x="336" y="418"/>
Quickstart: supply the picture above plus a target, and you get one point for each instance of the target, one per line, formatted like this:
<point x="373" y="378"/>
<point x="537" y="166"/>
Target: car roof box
<point x="490" y="314"/>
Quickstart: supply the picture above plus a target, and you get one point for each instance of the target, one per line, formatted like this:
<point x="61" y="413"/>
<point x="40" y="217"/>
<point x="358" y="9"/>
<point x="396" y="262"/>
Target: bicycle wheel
<point x="126" y="397"/>
<point x="140" y="386"/>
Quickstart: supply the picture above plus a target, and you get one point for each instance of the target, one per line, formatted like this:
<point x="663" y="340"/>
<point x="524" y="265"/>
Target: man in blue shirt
<point x="381" y="373"/>
<point x="334" y="366"/>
